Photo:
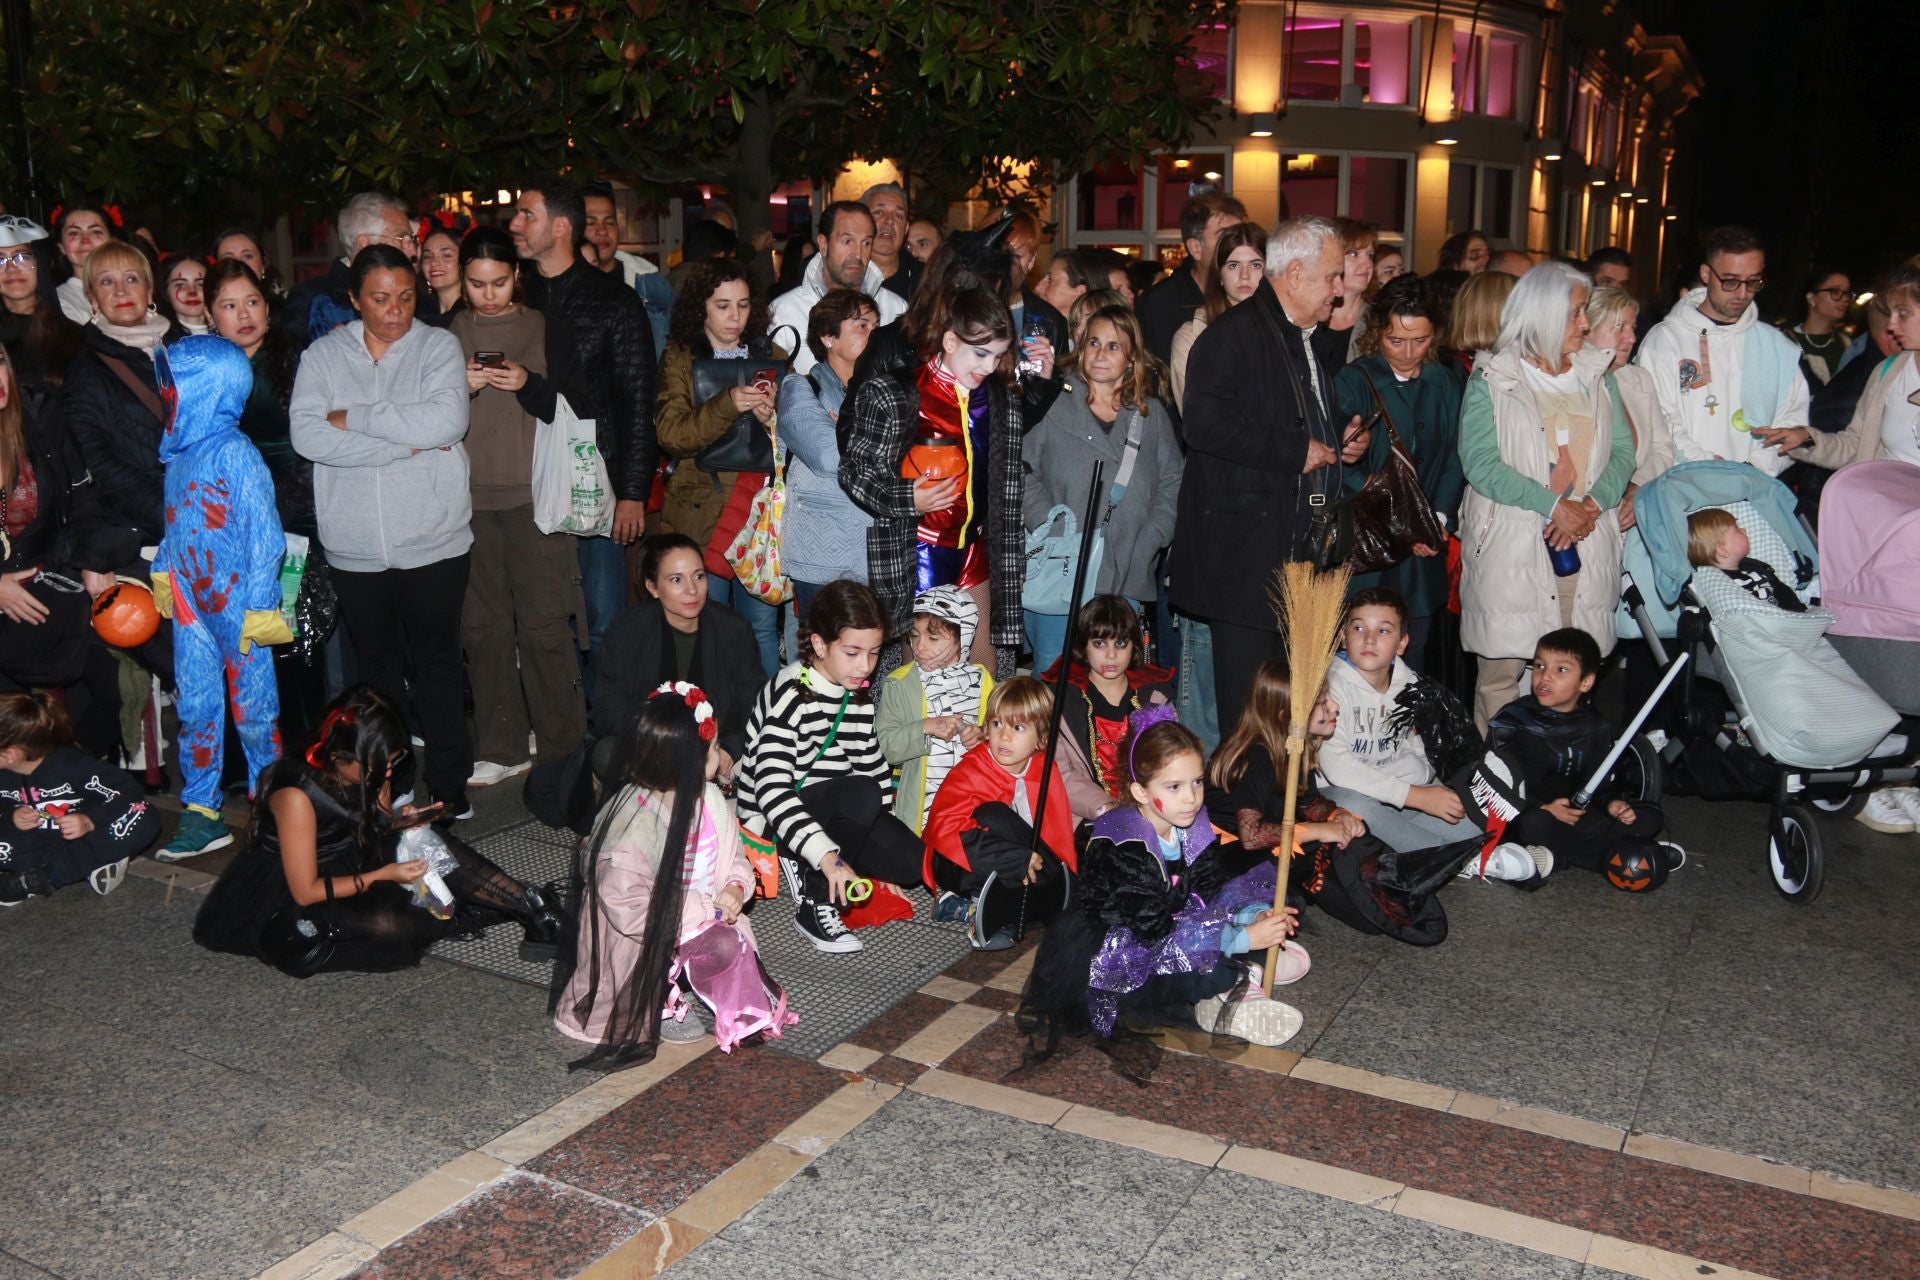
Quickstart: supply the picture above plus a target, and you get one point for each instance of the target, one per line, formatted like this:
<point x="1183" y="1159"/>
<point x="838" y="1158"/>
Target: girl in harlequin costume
<point x="1107" y="681"/>
<point x="657" y="895"/>
<point x="1157" y="932"/>
<point x="217" y="575"/>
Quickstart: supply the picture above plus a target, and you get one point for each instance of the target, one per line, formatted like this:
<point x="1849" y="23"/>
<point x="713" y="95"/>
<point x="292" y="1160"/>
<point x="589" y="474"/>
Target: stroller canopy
<point x="1662" y="505"/>
<point x="1870" y="550"/>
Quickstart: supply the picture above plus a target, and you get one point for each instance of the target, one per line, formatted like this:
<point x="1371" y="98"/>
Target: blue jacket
<point x="223" y="542"/>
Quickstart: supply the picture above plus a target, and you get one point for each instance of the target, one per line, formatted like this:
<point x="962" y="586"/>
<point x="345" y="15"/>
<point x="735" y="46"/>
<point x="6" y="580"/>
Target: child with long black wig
<point x="658" y="892"/>
<point x="317" y="887"/>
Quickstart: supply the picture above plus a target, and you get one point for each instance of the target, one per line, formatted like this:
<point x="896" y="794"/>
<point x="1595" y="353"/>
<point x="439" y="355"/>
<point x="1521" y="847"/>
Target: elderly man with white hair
<point x="1548" y="449"/>
<point x="318" y="306"/>
<point x="1264" y="453"/>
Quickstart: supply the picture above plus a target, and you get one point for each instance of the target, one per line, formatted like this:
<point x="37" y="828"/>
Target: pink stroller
<point x="1870" y="575"/>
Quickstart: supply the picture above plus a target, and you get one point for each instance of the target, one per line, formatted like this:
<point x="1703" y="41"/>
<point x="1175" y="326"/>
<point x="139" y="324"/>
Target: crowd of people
<point x="871" y="713"/>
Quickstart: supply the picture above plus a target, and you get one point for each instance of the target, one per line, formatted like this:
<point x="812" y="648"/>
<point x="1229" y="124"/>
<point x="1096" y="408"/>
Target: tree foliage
<point x="305" y="99"/>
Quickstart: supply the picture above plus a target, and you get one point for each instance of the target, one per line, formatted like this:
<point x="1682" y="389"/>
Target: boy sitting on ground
<point x="1552" y="740"/>
<point x="980" y="852"/>
<point x="1372" y="766"/>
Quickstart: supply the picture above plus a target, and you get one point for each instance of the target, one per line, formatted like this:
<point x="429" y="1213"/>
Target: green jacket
<point x="903" y="737"/>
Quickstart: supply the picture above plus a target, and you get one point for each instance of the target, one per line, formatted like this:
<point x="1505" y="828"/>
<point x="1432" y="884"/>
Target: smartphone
<point x="419" y="817"/>
<point x="490" y="359"/>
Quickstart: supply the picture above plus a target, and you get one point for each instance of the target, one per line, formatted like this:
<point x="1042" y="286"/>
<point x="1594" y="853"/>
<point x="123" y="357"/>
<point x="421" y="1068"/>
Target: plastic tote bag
<point x="754" y="553"/>
<point x="571" y="490"/>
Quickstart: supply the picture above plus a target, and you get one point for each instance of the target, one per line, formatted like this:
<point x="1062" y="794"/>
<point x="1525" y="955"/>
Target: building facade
<point x="1557" y="128"/>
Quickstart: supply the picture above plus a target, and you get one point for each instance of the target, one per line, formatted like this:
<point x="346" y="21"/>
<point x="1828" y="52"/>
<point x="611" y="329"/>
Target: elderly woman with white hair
<point x="1547" y="450"/>
<point x="1611" y="313"/>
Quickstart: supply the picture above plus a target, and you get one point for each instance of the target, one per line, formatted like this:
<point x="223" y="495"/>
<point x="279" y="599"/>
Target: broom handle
<point x="1066" y="660"/>
<point x="1295" y="758"/>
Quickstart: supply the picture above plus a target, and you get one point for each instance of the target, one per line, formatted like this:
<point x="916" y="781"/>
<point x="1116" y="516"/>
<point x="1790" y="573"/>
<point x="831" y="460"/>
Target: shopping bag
<point x="754" y="552"/>
<point x="571" y="490"/>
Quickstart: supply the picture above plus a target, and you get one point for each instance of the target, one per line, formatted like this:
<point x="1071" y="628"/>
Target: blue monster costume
<point x="217" y="572"/>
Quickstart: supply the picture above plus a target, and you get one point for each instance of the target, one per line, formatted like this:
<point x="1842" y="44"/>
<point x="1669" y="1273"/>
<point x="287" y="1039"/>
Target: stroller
<point x="1766" y="706"/>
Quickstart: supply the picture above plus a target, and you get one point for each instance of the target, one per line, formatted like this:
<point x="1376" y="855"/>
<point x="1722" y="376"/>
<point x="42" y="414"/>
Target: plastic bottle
<point x="430" y="890"/>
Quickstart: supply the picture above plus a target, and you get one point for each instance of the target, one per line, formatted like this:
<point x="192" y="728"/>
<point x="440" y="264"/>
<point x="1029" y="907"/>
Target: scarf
<point x="144" y="336"/>
<point x="949" y="413"/>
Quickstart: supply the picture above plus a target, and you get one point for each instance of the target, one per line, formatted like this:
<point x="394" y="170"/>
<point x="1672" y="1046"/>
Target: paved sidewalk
<point x="1576" y="1083"/>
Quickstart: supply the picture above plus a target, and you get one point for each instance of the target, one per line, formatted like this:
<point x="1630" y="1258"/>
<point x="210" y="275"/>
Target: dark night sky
<point x="1809" y="130"/>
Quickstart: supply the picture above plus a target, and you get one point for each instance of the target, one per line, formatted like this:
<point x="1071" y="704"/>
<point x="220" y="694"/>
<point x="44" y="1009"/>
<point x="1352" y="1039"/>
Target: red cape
<point x="978" y="779"/>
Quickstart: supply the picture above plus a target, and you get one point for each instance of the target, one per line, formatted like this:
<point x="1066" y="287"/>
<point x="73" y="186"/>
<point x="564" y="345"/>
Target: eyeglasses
<point x="1837" y="294"/>
<point x="1734" y="284"/>
<point x="399" y="241"/>
<point x="18" y="258"/>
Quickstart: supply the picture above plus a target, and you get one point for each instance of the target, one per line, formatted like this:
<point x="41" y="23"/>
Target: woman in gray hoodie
<point x="380" y="407"/>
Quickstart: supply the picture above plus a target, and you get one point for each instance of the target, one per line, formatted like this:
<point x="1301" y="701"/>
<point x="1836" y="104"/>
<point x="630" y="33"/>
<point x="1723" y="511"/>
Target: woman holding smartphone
<point x="317" y="887"/>
<point x="523" y="585"/>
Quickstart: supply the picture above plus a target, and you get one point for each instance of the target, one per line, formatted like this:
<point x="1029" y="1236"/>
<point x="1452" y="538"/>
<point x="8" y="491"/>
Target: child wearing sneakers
<point x="64" y="816"/>
<point x="1373" y="764"/>
<point x="1552" y="740"/>
<point x="931" y="709"/>
<point x="813" y="777"/>
<point x="980" y="858"/>
<point x="1157" y="931"/>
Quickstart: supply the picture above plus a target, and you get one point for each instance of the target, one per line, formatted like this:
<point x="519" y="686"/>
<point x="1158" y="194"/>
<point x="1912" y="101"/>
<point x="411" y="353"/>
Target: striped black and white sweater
<point x="789" y="723"/>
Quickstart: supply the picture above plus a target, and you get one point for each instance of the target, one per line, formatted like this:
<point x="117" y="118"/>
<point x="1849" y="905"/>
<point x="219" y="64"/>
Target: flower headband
<point x="703" y="721"/>
<point x="1141" y="721"/>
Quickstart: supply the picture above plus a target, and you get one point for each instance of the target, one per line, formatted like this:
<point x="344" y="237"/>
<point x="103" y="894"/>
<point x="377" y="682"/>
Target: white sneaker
<point x="1259" y="1020"/>
<point x="1516" y="863"/>
<point x="486" y="773"/>
<point x="1884" y="812"/>
<point x="1908" y="798"/>
<point x="104" y="880"/>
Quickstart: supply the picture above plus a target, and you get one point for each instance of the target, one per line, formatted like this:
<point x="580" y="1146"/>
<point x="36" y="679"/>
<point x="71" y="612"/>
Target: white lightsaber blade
<point x="1584" y="796"/>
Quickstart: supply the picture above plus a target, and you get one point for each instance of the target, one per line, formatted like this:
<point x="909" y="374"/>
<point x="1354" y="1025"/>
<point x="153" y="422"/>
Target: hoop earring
<point x="153" y="309"/>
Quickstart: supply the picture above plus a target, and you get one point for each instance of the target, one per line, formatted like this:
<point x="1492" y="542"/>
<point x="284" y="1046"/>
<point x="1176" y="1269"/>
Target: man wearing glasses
<point x="318" y="306"/>
<point x="1722" y="375"/>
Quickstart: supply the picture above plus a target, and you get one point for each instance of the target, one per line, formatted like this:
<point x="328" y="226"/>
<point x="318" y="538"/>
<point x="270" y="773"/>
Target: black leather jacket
<point x="600" y="357"/>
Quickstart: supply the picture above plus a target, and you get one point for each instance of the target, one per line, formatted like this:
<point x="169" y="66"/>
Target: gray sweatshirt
<point x="380" y="504"/>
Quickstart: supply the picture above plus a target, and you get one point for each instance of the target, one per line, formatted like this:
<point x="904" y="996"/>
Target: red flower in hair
<point x="708" y="730"/>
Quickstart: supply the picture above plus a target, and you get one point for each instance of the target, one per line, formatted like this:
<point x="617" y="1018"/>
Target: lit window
<point x="1503" y="77"/>
<point x="1182" y="177"/>
<point x="1110" y="199"/>
<point x="1310" y="184"/>
<point x="1209" y="58"/>
<point x="1377" y="191"/>
<point x="1313" y="59"/>
<point x="1380" y="60"/>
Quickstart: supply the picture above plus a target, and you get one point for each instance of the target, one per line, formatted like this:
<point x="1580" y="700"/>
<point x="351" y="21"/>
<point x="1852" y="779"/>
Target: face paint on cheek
<point x="1157" y="806"/>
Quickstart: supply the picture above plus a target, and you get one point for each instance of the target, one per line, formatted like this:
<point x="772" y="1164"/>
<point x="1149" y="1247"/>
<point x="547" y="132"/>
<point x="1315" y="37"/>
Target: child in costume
<point x="813" y="779"/>
<point x="980" y="855"/>
<point x="1374" y="764"/>
<point x="1156" y="930"/>
<point x="1552" y="740"/>
<point x="64" y="816"/>
<point x="659" y="891"/>
<point x="217" y="575"/>
<point x="932" y="708"/>
<point x="1107" y="681"/>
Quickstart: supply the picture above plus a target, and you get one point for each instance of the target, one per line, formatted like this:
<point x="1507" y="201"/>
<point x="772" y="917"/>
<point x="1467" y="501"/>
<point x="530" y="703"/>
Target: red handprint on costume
<point x="202" y="574"/>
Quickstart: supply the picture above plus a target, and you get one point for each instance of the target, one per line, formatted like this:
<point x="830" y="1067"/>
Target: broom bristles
<point x="1309" y="605"/>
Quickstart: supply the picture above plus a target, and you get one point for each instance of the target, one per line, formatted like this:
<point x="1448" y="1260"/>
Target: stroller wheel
<point x="1794" y="855"/>
<point x="1639" y="776"/>
<point x="1845" y="804"/>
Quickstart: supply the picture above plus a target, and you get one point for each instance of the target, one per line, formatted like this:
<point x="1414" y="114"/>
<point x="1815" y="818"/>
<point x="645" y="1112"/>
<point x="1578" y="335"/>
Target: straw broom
<point x="1309" y="605"/>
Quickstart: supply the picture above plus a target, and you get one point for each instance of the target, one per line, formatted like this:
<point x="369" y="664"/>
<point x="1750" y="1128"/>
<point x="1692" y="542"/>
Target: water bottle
<point x="1031" y="327"/>
<point x="1565" y="563"/>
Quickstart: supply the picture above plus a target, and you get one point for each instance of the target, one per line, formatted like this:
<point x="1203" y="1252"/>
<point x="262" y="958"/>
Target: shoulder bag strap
<point x="147" y="395"/>
<point x="1384" y="414"/>
<point x="1136" y="427"/>
<point x="833" y="734"/>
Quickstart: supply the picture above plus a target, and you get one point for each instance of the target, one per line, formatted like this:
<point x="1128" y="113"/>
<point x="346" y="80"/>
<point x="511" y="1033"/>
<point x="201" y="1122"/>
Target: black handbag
<point x="1327" y="540"/>
<point x="300" y="941"/>
<point x="745" y="446"/>
<point x="1391" y="514"/>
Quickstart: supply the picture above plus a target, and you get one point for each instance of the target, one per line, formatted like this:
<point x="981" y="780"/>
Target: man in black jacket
<point x="1172" y="301"/>
<point x="318" y="306"/>
<point x="1263" y="454"/>
<point x="600" y="357"/>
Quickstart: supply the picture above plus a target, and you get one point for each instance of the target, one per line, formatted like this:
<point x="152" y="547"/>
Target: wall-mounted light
<point x="1261" y="124"/>
<point x="1444" y="133"/>
<point x="1211" y="175"/>
<point x="1182" y="164"/>
<point x="1672" y="216"/>
<point x="1599" y="182"/>
<point x="1864" y="298"/>
<point x="1550" y="149"/>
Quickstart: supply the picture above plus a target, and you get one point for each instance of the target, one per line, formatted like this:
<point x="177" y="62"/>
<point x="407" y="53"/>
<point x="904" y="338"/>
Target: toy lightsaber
<point x="1584" y="796"/>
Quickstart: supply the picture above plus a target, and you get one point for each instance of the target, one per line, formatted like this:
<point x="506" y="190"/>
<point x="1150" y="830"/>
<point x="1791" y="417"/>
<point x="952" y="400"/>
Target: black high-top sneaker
<point x="817" y="919"/>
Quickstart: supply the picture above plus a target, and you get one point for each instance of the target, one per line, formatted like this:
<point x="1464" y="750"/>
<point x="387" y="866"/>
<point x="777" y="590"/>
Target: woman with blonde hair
<point x="1473" y="323"/>
<point x="1108" y="413"/>
<point x="111" y="399"/>
<point x="1611" y="313"/>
